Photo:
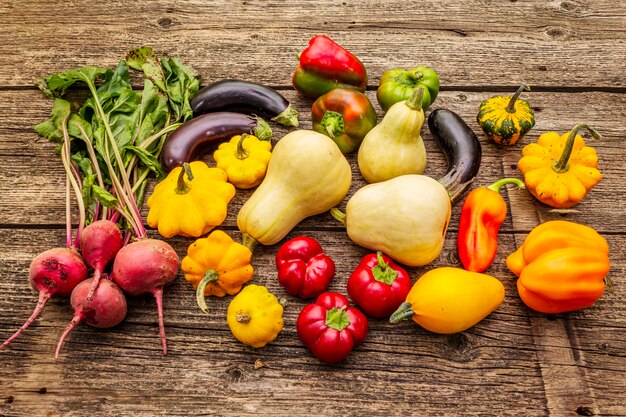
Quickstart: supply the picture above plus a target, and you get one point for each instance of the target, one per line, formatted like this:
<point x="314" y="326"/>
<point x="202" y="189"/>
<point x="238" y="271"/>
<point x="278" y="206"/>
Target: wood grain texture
<point x="515" y="362"/>
<point x="32" y="175"/>
<point x="473" y="43"/>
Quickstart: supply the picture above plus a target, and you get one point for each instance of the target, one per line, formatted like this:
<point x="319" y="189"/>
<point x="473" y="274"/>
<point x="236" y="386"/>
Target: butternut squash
<point x="307" y="175"/>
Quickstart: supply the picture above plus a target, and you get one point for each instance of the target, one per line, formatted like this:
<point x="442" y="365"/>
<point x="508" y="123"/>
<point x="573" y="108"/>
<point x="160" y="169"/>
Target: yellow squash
<point x="395" y="147"/>
<point x="193" y="206"/>
<point x="244" y="159"/>
<point x="559" y="170"/>
<point x="307" y="175"/>
<point x="450" y="300"/>
<point x="254" y="316"/>
<point x="216" y="265"/>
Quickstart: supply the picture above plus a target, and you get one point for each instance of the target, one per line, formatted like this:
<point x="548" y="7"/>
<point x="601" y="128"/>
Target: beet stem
<point x="43" y="299"/>
<point x="68" y="213"/>
<point x="65" y="158"/>
<point x="78" y="317"/>
<point x="158" y="295"/>
<point x="96" y="167"/>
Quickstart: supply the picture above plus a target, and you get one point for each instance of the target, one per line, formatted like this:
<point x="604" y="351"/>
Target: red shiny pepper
<point x="324" y="66"/>
<point x="378" y="285"/>
<point x="330" y="328"/>
<point x="483" y="212"/>
<point x="303" y="268"/>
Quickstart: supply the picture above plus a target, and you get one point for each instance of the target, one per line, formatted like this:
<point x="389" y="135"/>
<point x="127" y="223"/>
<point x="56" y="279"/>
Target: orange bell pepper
<point x="562" y="266"/>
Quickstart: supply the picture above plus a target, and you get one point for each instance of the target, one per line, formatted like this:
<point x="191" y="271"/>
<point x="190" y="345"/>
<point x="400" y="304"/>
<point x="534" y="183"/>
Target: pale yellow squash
<point x="307" y="175"/>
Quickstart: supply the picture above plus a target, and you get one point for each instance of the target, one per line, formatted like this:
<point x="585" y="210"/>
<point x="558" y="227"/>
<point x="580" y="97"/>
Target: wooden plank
<point x="32" y="176"/>
<point x="546" y="43"/>
<point x="562" y="347"/>
<point x="400" y="369"/>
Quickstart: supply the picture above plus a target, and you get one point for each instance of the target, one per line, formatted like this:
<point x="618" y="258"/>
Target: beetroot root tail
<point x="158" y="296"/>
<point x="97" y="274"/>
<point x="41" y="303"/>
<point x="75" y="322"/>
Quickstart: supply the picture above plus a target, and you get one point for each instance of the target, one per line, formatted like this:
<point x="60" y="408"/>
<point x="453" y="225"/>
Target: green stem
<point x="338" y="215"/>
<point x="210" y="277"/>
<point x="249" y="242"/>
<point x="288" y="117"/>
<point x="562" y="164"/>
<point x="94" y="162"/>
<point x="383" y="272"/>
<point x="404" y="312"/>
<point x="333" y="123"/>
<point x="182" y="187"/>
<point x="510" y="108"/>
<point x="262" y="131"/>
<point x="337" y="318"/>
<point x="415" y="101"/>
<point x="504" y="181"/>
<point x="241" y="153"/>
<point x="66" y="160"/>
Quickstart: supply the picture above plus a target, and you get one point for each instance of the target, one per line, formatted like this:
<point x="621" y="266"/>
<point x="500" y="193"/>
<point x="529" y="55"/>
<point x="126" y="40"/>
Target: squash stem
<point x="210" y="277"/>
<point x="182" y="187"/>
<point x="404" y="312"/>
<point x="562" y="164"/>
<point x="510" y="108"/>
<point x="249" y="242"/>
<point x="415" y="101"/>
<point x="504" y="181"/>
<point x="241" y="152"/>
<point x="338" y="215"/>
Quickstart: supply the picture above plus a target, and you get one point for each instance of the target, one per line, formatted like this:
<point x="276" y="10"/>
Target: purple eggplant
<point x="247" y="98"/>
<point x="461" y="148"/>
<point x="195" y="137"/>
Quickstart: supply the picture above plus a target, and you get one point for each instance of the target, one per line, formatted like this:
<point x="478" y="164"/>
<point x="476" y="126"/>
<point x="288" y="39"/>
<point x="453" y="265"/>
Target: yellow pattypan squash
<point x="255" y="316"/>
<point x="216" y="265"/>
<point x="559" y="170"/>
<point x="190" y="206"/>
<point x="245" y="159"/>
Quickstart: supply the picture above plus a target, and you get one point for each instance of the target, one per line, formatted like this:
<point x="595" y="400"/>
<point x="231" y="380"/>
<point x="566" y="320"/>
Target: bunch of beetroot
<point x="108" y="149"/>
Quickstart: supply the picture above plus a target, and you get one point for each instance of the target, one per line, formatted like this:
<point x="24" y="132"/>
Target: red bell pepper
<point x="483" y="212"/>
<point x="325" y="65"/>
<point x="378" y="285"/>
<point x="330" y="328"/>
<point x="303" y="268"/>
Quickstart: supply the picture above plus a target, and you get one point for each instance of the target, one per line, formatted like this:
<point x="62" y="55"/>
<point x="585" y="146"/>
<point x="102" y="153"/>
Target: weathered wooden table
<point x="516" y="362"/>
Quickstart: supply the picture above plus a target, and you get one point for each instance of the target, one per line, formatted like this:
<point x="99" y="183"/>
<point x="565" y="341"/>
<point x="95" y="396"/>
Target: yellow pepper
<point x="255" y="316"/>
<point x="193" y="206"/>
<point x="245" y="159"/>
<point x="216" y="265"/>
<point x="559" y="170"/>
<point x="562" y="266"/>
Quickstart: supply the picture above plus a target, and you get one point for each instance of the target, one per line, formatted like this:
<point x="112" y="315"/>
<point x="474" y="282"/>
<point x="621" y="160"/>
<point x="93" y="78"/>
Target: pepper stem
<point x="333" y="123"/>
<point x="241" y="153"/>
<point x="383" y="272"/>
<point x="183" y="187"/>
<point x="504" y="181"/>
<point x="210" y="277"/>
<point x="510" y="108"/>
<point x="337" y="318"/>
<point x="404" y="312"/>
<point x="562" y="164"/>
<point x="415" y="101"/>
<point x="338" y="215"/>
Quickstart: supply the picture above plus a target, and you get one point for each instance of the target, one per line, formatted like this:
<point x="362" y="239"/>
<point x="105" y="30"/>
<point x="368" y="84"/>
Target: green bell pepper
<point x="397" y="85"/>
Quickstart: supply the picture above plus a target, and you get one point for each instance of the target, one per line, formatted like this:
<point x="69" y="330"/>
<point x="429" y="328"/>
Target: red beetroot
<point x="106" y="309"/>
<point x="99" y="243"/>
<point x="55" y="271"/>
<point x="145" y="267"/>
